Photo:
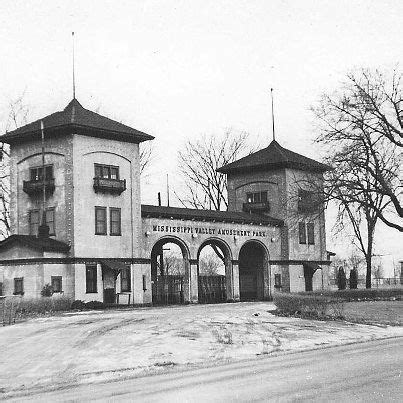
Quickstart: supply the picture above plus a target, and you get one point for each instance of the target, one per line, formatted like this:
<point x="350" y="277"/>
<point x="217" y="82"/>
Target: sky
<point x="181" y="69"/>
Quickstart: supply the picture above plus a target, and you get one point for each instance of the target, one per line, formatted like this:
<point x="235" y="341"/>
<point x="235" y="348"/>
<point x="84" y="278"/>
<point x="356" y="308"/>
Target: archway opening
<point x="214" y="272"/>
<point x="253" y="261"/>
<point x="169" y="272"/>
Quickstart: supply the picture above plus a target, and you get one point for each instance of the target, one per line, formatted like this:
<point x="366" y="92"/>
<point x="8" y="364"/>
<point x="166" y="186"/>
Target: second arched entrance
<point x="214" y="271"/>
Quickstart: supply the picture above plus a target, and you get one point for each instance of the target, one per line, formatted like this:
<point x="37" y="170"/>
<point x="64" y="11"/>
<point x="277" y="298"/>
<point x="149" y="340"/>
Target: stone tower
<point x="283" y="184"/>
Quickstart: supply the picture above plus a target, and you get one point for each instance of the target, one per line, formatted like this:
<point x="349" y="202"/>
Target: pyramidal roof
<point x="273" y="157"/>
<point x="74" y="118"/>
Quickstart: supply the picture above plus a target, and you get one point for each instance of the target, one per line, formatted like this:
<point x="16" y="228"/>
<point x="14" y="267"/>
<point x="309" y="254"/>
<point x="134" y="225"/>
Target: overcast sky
<point x="178" y="69"/>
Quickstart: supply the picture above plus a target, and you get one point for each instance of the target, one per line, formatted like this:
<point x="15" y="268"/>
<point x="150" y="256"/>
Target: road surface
<point x="364" y="372"/>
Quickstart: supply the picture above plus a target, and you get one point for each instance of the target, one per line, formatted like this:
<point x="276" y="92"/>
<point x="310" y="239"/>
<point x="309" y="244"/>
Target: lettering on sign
<point x="208" y="231"/>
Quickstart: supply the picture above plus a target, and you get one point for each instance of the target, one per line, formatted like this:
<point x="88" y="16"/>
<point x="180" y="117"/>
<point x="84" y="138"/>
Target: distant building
<point x="97" y="242"/>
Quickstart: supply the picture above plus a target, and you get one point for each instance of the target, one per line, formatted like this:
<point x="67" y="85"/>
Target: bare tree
<point x="205" y="188"/>
<point x="146" y="156"/>
<point x="16" y="115"/>
<point x="209" y="264"/>
<point x="364" y="119"/>
<point x="173" y="264"/>
<point x="360" y="126"/>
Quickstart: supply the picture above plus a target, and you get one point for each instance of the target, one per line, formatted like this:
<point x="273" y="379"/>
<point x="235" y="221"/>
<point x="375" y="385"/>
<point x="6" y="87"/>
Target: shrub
<point x="312" y="306"/>
<point x="341" y="279"/>
<point x="81" y="305"/>
<point x="47" y="290"/>
<point x="29" y="306"/>
<point x="353" y="279"/>
<point x="78" y="304"/>
<point x="94" y="305"/>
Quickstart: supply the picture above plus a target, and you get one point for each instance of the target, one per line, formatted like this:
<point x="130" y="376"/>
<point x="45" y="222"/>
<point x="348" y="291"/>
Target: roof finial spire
<point x="74" y="76"/>
<point x="272" y="114"/>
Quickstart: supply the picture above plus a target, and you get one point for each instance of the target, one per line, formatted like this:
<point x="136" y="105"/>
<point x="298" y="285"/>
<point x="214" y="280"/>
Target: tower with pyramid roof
<point x="91" y="175"/>
<point x="278" y="182"/>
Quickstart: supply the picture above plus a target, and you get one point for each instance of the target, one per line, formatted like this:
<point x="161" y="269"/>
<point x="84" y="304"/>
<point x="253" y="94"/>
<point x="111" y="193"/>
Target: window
<point x="304" y="230"/>
<point x="106" y="171"/>
<point x="33" y="222"/>
<point x="19" y="286"/>
<point x="257" y="197"/>
<point x="302" y="233"/>
<point x="115" y="227"/>
<point x="125" y="279"/>
<point x="50" y="220"/>
<point x="277" y="281"/>
<point x="91" y="278"/>
<point x="311" y="233"/>
<point x="56" y="282"/>
<point x="36" y="174"/>
<point x="100" y="221"/>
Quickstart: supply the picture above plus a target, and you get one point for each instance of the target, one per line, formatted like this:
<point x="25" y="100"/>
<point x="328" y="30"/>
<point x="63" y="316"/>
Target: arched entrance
<point x="169" y="272"/>
<point x="214" y="269"/>
<point x="253" y="271"/>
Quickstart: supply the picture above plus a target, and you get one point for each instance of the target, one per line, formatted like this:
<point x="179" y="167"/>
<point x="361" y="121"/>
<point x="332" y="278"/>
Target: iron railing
<point x="107" y="185"/>
<point x="212" y="289"/>
<point x="36" y="186"/>
<point x="167" y="290"/>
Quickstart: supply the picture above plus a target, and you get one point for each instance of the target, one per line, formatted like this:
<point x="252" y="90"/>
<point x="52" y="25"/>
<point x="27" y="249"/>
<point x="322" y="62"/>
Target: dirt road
<point x="370" y="371"/>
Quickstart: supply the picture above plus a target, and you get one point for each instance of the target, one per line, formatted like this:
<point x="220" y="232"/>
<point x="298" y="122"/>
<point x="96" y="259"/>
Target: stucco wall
<point x="194" y="233"/>
<point x="87" y="152"/>
<point x="272" y="181"/>
<point x="64" y="270"/>
<point x="295" y="180"/>
<point x="32" y="275"/>
<point x="80" y="284"/>
<point x="58" y="151"/>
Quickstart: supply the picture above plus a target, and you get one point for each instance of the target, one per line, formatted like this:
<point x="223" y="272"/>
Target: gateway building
<point x="78" y="224"/>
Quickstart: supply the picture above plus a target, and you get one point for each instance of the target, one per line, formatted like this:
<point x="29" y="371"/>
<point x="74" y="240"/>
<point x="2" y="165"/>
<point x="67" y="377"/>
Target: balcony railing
<point x="259" y="207"/>
<point x="106" y="185"/>
<point x="36" y="186"/>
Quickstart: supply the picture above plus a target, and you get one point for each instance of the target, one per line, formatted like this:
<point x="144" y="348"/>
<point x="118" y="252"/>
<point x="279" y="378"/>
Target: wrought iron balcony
<point x="106" y="185"/>
<point x="36" y="186"/>
<point x="258" y="207"/>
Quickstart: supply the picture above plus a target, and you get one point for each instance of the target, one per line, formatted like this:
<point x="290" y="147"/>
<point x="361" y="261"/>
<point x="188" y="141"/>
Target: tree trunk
<point x="370" y="242"/>
<point x="368" y="276"/>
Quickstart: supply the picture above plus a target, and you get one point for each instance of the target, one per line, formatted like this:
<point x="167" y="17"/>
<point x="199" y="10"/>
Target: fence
<point x="212" y="289"/>
<point x="8" y="308"/>
<point x="384" y="282"/>
<point x="167" y="290"/>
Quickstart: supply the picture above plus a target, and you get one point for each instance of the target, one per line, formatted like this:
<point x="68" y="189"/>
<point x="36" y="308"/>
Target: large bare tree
<point x="365" y="119"/>
<point x="204" y="187"/>
<point x="356" y="127"/>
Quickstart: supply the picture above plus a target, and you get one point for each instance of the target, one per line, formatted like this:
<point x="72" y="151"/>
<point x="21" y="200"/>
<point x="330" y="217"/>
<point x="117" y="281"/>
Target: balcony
<point x="106" y="185"/>
<point x="35" y="187"/>
<point x="257" y="207"/>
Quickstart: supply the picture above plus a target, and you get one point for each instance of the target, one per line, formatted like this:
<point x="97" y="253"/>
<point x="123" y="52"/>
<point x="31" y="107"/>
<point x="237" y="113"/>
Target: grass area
<point x="351" y="305"/>
<point x="375" y="312"/>
<point x="360" y="294"/>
